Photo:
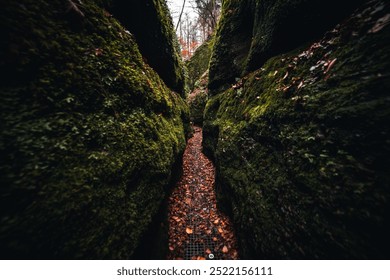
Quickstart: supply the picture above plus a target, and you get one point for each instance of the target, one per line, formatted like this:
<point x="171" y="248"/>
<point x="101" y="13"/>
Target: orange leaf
<point x="189" y="231"/>
<point x="330" y="64"/>
<point x="98" y="51"/>
<point x="225" y="249"/>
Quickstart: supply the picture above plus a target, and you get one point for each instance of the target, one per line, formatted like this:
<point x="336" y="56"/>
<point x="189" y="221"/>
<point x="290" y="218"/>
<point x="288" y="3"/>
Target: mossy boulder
<point x="198" y="64"/>
<point x="301" y="146"/>
<point x="151" y="24"/>
<point x="252" y="31"/>
<point x="89" y="132"/>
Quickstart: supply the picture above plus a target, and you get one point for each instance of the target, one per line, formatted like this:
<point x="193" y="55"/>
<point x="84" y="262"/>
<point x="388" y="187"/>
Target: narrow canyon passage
<point x="197" y="229"/>
<point x="96" y="103"/>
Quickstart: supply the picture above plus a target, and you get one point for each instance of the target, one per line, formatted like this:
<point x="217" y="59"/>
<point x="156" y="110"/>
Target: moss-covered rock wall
<point x="198" y="64"/>
<point x="301" y="144"/>
<point x="197" y="100"/>
<point x="151" y="24"/>
<point x="252" y="31"/>
<point x="89" y="132"/>
<point x="231" y="43"/>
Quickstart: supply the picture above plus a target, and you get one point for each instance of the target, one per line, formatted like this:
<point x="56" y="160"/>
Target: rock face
<point x="197" y="100"/>
<point x="197" y="72"/>
<point x="151" y="24"/>
<point x="199" y="63"/>
<point x="301" y="144"/>
<point x="89" y="131"/>
<point x="252" y="31"/>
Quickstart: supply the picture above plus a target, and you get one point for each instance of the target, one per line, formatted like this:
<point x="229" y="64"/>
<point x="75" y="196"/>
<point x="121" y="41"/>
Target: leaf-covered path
<point x="197" y="229"/>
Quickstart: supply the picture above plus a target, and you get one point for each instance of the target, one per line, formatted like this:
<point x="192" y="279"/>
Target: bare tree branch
<point x="181" y="13"/>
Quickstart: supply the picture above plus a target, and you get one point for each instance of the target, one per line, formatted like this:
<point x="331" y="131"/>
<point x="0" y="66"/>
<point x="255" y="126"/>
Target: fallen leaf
<point x="74" y="7"/>
<point x="225" y="249"/>
<point x="330" y="64"/>
<point x="106" y="13"/>
<point x="177" y="219"/>
<point x="197" y="189"/>
<point x="98" y="51"/>
<point x="380" y="24"/>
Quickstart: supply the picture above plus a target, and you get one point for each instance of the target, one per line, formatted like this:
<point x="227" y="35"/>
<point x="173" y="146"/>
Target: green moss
<point x="302" y="151"/>
<point x="232" y="43"/>
<point x="199" y="62"/>
<point x="197" y="100"/>
<point x="89" y="134"/>
<point x="151" y="24"/>
<point x="250" y="32"/>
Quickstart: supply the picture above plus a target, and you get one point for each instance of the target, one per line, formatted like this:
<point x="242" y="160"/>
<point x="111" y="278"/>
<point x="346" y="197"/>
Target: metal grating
<point x="197" y="229"/>
<point x="198" y="242"/>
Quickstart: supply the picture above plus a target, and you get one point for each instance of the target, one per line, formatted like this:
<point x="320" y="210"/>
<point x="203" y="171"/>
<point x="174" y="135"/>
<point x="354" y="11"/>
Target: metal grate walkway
<point x="197" y="229"/>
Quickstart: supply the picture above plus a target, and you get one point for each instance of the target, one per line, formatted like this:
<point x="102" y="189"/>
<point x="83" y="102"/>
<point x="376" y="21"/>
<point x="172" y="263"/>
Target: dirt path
<point x="197" y="230"/>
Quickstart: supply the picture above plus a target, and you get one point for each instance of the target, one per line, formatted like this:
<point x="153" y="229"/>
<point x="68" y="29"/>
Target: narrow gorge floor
<point x="197" y="229"/>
